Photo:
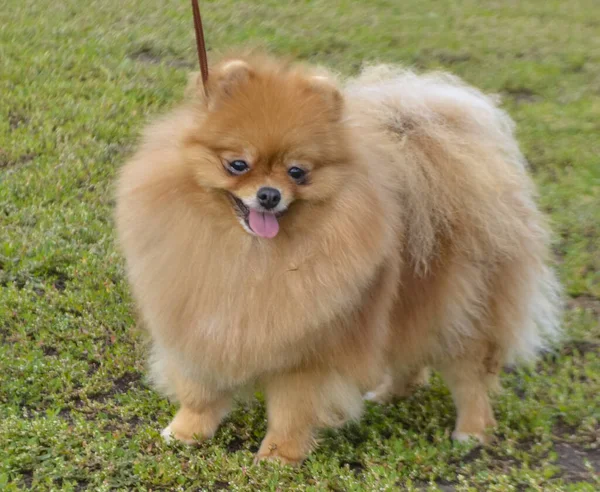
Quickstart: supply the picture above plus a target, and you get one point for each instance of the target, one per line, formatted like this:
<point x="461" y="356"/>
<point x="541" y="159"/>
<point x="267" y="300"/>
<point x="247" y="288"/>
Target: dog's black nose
<point x="268" y="197"/>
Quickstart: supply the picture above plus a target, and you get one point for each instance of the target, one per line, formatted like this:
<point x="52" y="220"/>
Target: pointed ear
<point x="222" y="81"/>
<point x="226" y="79"/>
<point x="327" y="89"/>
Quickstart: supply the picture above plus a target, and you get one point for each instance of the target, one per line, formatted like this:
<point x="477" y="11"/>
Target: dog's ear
<point x="223" y="80"/>
<point x="329" y="92"/>
<point x="229" y="76"/>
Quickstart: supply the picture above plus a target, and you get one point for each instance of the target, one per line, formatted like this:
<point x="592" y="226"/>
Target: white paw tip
<point x="166" y="434"/>
<point x="370" y="396"/>
<point x="464" y="437"/>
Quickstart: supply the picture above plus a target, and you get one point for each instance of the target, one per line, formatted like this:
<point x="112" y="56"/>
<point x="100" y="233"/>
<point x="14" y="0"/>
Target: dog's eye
<point x="297" y="174"/>
<point x="238" y="166"/>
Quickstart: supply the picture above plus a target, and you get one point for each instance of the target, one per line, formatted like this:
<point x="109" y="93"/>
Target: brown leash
<point x="200" y="43"/>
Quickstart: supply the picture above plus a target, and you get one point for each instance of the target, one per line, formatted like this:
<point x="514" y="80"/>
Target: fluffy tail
<point x="543" y="328"/>
<point x="462" y="152"/>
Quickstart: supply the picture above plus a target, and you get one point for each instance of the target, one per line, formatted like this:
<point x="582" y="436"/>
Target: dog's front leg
<point x="299" y="403"/>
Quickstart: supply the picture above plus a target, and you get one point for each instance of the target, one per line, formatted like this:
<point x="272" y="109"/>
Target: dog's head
<point x="270" y="138"/>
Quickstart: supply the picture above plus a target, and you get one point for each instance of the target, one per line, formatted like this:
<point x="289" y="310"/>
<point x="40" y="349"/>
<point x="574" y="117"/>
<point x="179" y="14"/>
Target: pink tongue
<point x="265" y="225"/>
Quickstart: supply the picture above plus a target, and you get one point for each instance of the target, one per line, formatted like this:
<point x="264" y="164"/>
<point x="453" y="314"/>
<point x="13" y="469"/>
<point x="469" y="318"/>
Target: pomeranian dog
<point x="326" y="241"/>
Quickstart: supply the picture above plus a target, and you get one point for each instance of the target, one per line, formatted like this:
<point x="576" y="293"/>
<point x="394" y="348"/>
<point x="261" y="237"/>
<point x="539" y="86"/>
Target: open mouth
<point x="259" y="222"/>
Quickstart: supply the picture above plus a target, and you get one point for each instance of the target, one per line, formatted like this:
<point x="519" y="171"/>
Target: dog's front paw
<point x="190" y="427"/>
<point x="169" y="435"/>
<point x="466" y="437"/>
<point x="483" y="438"/>
<point x="288" y="451"/>
<point x="478" y="426"/>
<point x="398" y="386"/>
<point x="383" y="393"/>
<point x="274" y="456"/>
<point x="379" y="396"/>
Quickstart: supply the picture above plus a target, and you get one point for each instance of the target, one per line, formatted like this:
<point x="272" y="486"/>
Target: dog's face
<point x="270" y="137"/>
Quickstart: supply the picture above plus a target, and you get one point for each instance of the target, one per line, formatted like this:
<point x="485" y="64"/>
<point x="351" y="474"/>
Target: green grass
<point x="77" y="82"/>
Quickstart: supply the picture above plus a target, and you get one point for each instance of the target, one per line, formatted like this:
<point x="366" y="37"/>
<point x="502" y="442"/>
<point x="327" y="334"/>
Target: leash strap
<point x="201" y="46"/>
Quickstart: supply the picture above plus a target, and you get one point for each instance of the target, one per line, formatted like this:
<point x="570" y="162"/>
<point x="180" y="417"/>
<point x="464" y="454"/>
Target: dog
<point x="323" y="240"/>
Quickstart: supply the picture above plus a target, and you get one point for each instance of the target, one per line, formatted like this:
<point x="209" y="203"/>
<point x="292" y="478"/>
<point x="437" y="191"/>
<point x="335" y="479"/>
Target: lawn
<point x="78" y="80"/>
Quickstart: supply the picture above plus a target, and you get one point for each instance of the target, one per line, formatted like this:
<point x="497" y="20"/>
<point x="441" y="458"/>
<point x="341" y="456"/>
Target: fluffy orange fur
<point x="413" y="242"/>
